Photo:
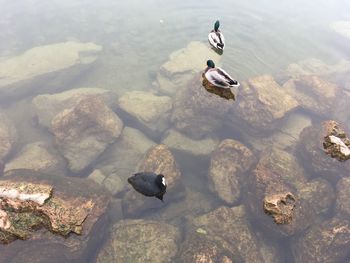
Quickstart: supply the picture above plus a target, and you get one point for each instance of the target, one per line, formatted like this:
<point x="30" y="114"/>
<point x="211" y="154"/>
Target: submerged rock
<point x="262" y="102"/>
<point x="228" y="230"/>
<point x="336" y="143"/>
<point x="328" y="242"/>
<point x="37" y="156"/>
<point x="178" y="141"/>
<point x="314" y="93"/>
<point x="38" y="67"/>
<point x="8" y="135"/>
<point x="182" y="65"/>
<point x="311" y="150"/>
<point x="47" y="106"/>
<point x="274" y="184"/>
<point x="158" y="160"/>
<point x="149" y="111"/>
<point x="228" y="164"/>
<point x="140" y="241"/>
<point x="119" y="160"/>
<point x="343" y="196"/>
<point x="198" y="113"/>
<point x="342" y="28"/>
<point x="36" y="205"/>
<point x="83" y="132"/>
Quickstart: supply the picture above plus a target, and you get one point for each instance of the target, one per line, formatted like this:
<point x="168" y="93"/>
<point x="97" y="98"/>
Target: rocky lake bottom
<point x="258" y="174"/>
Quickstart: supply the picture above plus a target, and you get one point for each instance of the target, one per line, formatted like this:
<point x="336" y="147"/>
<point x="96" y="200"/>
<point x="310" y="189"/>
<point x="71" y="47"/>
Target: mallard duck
<point x="216" y="38"/>
<point x="218" y="77"/>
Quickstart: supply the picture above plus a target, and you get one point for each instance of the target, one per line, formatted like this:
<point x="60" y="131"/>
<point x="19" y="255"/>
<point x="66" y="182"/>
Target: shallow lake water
<point x="263" y="37"/>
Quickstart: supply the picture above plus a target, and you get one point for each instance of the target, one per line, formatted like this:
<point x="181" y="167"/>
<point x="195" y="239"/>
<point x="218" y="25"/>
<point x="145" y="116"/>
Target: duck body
<point x="216" y="38"/>
<point x="149" y="184"/>
<point x="219" y="77"/>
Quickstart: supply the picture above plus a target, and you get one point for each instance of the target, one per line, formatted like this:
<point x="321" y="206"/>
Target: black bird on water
<point x="149" y="184"/>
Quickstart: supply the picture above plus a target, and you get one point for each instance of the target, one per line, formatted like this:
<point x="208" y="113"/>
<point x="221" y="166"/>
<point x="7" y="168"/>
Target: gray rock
<point x="43" y="67"/>
<point x="37" y="156"/>
<point x="229" y="161"/>
<point x="140" y="241"/>
<point x="147" y="109"/>
<point x="83" y="132"/>
<point x="122" y="157"/>
<point x="182" y="65"/>
<point x="8" y="135"/>
<point x="47" y="106"/>
<point x="178" y="141"/>
<point x="328" y="242"/>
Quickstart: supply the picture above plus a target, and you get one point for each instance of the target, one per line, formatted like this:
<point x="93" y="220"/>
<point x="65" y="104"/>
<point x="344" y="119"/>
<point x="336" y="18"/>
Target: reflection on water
<point x="94" y="88"/>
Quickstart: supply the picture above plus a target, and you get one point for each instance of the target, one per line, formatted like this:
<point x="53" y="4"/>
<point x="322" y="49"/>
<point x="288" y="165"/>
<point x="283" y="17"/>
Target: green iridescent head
<point x="216" y="25"/>
<point x="210" y="64"/>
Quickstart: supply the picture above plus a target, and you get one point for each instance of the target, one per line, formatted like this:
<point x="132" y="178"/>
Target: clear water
<point x="263" y="36"/>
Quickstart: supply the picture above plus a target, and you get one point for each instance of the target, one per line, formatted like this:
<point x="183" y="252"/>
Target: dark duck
<point x="149" y="184"/>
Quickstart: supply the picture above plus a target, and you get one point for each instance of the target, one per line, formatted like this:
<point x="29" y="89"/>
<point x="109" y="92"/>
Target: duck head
<point x="210" y="64"/>
<point x="216" y="25"/>
<point x="160" y="181"/>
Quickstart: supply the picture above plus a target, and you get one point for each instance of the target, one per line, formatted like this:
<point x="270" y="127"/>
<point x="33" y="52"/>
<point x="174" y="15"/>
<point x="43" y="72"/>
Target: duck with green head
<point x="219" y="77"/>
<point x="216" y="38"/>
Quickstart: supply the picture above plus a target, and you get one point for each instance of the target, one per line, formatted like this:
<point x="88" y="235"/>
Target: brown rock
<point x="228" y="164"/>
<point x="336" y="143"/>
<point x="343" y="195"/>
<point x="261" y="103"/>
<point x="65" y="206"/>
<point x="328" y="242"/>
<point x="280" y="207"/>
<point x="140" y="241"/>
<point x="83" y="132"/>
<point x="310" y="148"/>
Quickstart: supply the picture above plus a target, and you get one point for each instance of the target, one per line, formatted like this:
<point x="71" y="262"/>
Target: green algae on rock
<point x="39" y="205"/>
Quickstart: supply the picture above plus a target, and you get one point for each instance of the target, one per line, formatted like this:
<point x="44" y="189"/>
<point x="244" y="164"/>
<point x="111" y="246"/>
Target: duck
<point x="216" y="38"/>
<point x="149" y="184"/>
<point x="219" y="77"/>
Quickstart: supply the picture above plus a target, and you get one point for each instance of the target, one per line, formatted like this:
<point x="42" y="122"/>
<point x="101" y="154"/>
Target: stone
<point x="122" y="157"/>
<point x="147" y="110"/>
<point x="198" y="113"/>
<point x="343" y="194"/>
<point x="182" y="65"/>
<point x="314" y="94"/>
<point x="140" y="241"/>
<point x="229" y="231"/>
<point x="47" y="106"/>
<point x="336" y="143"/>
<point x="73" y="209"/>
<point x="41" y="68"/>
<point x="274" y="184"/>
<point x="342" y="28"/>
<point x="159" y="160"/>
<point x="280" y="207"/>
<point x="311" y="151"/>
<point x="83" y="132"/>
<point x="262" y="102"/>
<point x="319" y="193"/>
<point x="8" y="135"/>
<point x="229" y="161"/>
<point x="180" y="142"/>
<point x="326" y="242"/>
<point x="37" y="156"/>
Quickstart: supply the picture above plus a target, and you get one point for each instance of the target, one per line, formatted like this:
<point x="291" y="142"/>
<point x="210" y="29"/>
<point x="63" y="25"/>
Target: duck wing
<point x="227" y="78"/>
<point x="144" y="183"/>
